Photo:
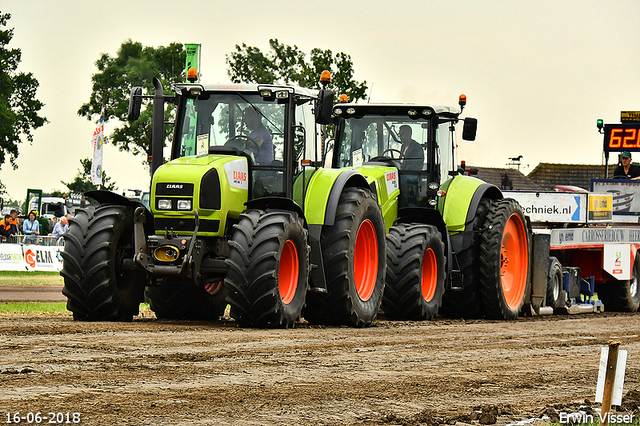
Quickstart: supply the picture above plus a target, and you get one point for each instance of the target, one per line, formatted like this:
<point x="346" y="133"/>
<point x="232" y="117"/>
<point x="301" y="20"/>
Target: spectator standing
<point x="31" y="228"/>
<point x="7" y="228"/>
<point x="61" y="227"/>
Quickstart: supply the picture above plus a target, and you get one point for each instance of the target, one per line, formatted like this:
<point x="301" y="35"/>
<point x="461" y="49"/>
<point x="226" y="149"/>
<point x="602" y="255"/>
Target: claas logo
<point x="391" y="176"/>
<point x="239" y="175"/>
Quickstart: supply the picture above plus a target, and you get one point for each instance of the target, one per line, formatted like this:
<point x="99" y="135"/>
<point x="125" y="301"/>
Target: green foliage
<point x="133" y="65"/>
<point x="288" y="65"/>
<point x="82" y="182"/>
<point x="18" y="106"/>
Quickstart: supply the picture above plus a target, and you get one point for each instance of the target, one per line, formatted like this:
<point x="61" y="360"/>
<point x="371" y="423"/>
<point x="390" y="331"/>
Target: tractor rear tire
<point x="96" y="284"/>
<point x="467" y="303"/>
<point x="175" y="299"/>
<point x="268" y="269"/>
<point x="353" y="251"/>
<point x="415" y="272"/>
<point x="621" y="296"/>
<point x="554" y="284"/>
<point x="504" y="260"/>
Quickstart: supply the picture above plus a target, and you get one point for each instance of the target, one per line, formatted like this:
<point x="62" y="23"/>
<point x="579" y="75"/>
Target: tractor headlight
<point x="184" y="204"/>
<point x="164" y="204"/>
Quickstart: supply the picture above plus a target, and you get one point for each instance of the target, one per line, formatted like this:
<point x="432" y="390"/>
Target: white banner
<point x="19" y="257"/>
<point x="11" y="258"/>
<point x="97" y="141"/>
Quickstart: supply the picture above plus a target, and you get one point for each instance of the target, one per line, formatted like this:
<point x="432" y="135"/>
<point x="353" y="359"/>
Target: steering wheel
<point x="391" y="150"/>
<point x="242" y="142"/>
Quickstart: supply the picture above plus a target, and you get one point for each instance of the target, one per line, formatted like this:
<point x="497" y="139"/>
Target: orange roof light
<point x="343" y="98"/>
<point x="325" y="77"/>
<point x="192" y="75"/>
<point x="462" y="100"/>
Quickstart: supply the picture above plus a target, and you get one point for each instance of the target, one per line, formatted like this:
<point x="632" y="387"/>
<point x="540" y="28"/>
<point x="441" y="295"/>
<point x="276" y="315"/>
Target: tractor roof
<point x="391" y="109"/>
<point x="246" y="88"/>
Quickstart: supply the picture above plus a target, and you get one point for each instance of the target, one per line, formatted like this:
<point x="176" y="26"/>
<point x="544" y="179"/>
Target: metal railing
<point x="36" y="240"/>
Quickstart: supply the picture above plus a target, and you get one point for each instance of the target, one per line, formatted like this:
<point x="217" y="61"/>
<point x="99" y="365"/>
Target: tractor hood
<point x="216" y="185"/>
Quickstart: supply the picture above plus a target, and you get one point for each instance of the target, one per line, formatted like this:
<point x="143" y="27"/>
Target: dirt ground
<point x="393" y="373"/>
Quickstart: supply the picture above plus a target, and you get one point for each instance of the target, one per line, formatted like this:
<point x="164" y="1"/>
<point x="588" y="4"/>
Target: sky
<point x="537" y="74"/>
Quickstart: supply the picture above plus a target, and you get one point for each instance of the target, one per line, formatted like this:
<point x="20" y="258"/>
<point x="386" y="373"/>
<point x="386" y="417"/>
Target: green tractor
<point x="454" y="244"/>
<point x="242" y="214"/>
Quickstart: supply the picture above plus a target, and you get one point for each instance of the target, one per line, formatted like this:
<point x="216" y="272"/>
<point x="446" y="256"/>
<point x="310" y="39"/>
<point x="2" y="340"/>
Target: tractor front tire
<point x="97" y="284"/>
<point x="621" y="296"/>
<point x="174" y="299"/>
<point x="353" y="251"/>
<point x="415" y="272"/>
<point x="504" y="260"/>
<point x="268" y="269"/>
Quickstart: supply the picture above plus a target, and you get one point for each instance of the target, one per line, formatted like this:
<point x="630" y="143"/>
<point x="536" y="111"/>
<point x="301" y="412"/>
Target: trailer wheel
<point x="504" y="260"/>
<point x="415" y="272"/>
<point x="466" y="303"/>
<point x="177" y="299"/>
<point x="99" y="283"/>
<point x="621" y="296"/>
<point x="554" y="284"/>
<point x="268" y="268"/>
<point x="353" y="251"/>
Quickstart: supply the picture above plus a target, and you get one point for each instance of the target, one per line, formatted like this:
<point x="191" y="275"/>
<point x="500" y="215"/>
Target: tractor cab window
<point x="367" y="139"/>
<point x="244" y="122"/>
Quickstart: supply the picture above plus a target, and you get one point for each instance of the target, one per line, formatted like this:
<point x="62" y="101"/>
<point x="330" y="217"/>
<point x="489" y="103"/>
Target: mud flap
<point x="539" y="264"/>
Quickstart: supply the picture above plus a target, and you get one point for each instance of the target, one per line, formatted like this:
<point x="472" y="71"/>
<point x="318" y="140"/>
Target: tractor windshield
<point x="243" y="121"/>
<point x="372" y="138"/>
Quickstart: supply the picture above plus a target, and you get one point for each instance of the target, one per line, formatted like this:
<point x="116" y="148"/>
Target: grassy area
<point x="33" y="308"/>
<point x="49" y="308"/>
<point x="12" y="278"/>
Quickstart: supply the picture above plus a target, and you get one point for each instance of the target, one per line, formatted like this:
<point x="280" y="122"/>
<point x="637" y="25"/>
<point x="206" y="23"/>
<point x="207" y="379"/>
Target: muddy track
<point x="408" y="373"/>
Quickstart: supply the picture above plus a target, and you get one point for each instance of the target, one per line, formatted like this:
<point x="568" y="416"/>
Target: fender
<point x="462" y="229"/>
<point x="279" y="203"/>
<point x="108" y="197"/>
<point x="324" y="190"/>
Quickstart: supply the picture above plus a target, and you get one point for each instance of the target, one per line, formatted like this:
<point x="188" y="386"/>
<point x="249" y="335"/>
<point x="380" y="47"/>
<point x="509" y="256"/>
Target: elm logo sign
<point x="38" y="258"/>
<point x="30" y="258"/>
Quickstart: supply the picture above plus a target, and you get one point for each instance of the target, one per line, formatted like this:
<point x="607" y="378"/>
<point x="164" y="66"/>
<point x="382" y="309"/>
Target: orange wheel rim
<point x="288" y="272"/>
<point x="514" y="261"/>
<point x="365" y="260"/>
<point x="429" y="279"/>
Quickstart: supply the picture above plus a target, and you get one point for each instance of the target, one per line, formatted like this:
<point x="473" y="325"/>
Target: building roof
<point x="507" y="179"/>
<point x="548" y="175"/>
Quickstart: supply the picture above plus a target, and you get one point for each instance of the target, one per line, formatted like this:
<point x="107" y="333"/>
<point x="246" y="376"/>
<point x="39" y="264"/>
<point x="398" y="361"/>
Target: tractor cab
<point x="272" y="127"/>
<point x="417" y="140"/>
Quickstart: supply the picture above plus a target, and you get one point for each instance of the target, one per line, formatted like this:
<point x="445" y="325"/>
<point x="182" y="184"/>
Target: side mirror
<point x="324" y="107"/>
<point x="470" y="128"/>
<point x="135" y="102"/>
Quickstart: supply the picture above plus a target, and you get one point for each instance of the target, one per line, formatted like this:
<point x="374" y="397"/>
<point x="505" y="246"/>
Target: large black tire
<point x="415" y="272"/>
<point x="467" y="303"/>
<point x="268" y="270"/>
<point x="554" y="284"/>
<point x="96" y="247"/>
<point x="621" y="296"/>
<point x="504" y="260"/>
<point x="175" y="299"/>
<point x="353" y="251"/>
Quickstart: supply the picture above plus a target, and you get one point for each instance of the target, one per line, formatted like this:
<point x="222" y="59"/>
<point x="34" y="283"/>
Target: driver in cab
<point x="263" y="147"/>
<point x="412" y="153"/>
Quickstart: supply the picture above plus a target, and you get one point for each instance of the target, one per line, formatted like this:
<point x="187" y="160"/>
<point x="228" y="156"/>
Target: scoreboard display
<point x="622" y="137"/>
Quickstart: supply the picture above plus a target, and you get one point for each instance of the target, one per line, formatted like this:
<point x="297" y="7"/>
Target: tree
<point x="133" y="65"/>
<point x="288" y="65"/>
<point x="82" y="182"/>
<point x="18" y="106"/>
